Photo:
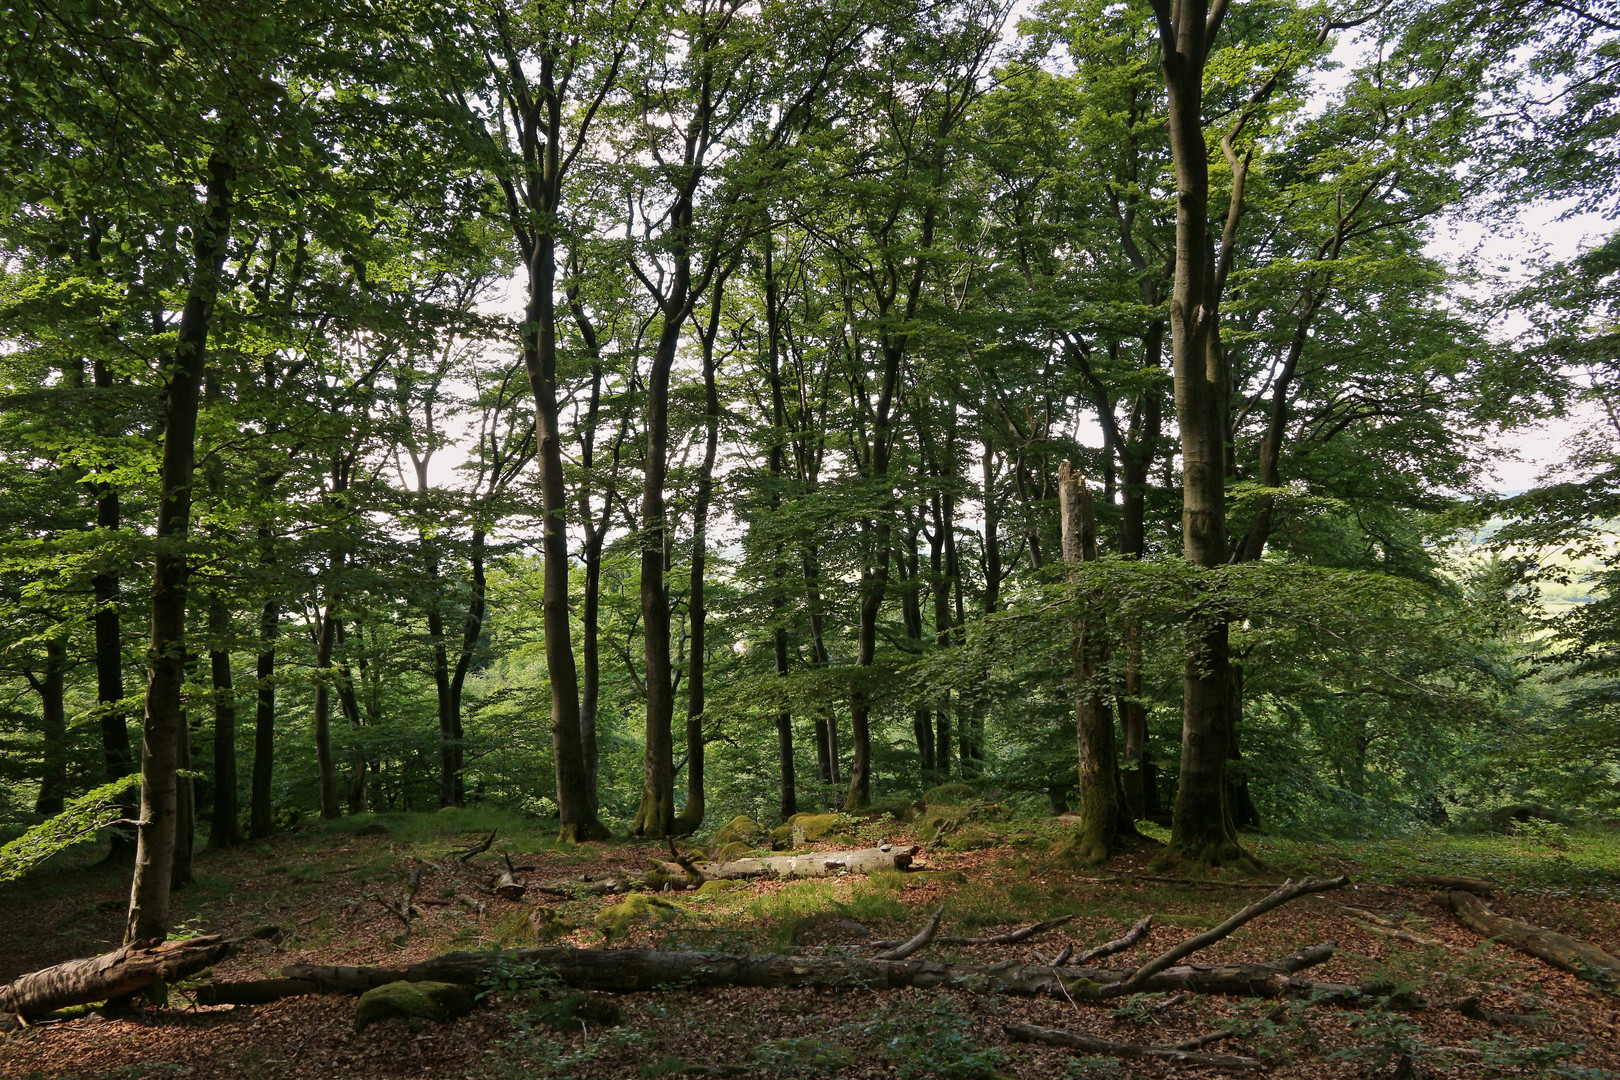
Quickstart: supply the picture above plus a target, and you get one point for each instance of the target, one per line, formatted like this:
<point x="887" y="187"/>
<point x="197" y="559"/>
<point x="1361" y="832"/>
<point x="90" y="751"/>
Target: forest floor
<point x="317" y="885"/>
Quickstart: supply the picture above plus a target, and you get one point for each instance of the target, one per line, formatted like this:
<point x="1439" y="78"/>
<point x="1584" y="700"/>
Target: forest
<point x="832" y="461"/>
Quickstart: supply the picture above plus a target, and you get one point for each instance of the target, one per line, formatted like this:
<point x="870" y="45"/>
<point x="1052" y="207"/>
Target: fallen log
<point x="632" y="970"/>
<point x="1451" y="883"/>
<point x="813" y="864"/>
<point x="1091" y="1044"/>
<point x="924" y="938"/>
<point x="1011" y="937"/>
<point x="508" y="885"/>
<point x="1130" y="937"/>
<point x="1289" y="891"/>
<point x="1569" y="954"/>
<point x="110" y="975"/>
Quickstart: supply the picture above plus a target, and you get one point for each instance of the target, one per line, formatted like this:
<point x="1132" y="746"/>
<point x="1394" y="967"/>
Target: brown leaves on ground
<point x="317" y="889"/>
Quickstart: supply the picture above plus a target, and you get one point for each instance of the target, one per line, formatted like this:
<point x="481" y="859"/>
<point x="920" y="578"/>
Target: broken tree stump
<point x="110" y="975"/>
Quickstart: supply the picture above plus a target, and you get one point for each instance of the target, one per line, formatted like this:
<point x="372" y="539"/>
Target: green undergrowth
<point x="1583" y="861"/>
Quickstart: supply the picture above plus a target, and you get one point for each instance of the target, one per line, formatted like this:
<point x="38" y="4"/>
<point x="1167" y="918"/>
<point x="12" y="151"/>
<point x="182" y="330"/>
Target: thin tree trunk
<point x="164" y="724"/>
<point x="53" y="726"/>
<point x="261" y="813"/>
<point x="826" y="732"/>
<point x="697" y="610"/>
<point x="472" y="628"/>
<point x="1094" y="720"/>
<point x="223" y="830"/>
<point x="326" y="767"/>
<point x="185" y="819"/>
<point x="118" y="755"/>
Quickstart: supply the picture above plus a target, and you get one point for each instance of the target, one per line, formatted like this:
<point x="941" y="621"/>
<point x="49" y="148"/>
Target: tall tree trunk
<point x="939" y="589"/>
<point x="325" y="765"/>
<point x="922" y="719"/>
<point x="358" y="793"/>
<point x="1094" y="720"/>
<point x="826" y="725"/>
<point x="118" y="755"/>
<point x="185" y="818"/>
<point x="1201" y="828"/>
<point x="472" y="628"/>
<point x="591" y="646"/>
<point x="164" y="724"/>
<point x="776" y="462"/>
<point x="53" y="726"/>
<point x="1136" y="453"/>
<point x="261" y="812"/>
<point x="223" y="830"/>
<point x="697" y="610"/>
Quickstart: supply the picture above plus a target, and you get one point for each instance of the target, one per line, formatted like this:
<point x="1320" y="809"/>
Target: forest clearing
<point x="1450" y="1003"/>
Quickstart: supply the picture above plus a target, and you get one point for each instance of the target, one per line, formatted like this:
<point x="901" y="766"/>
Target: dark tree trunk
<point x="775" y="461"/>
<point x="697" y="610"/>
<point x="472" y="628"/>
<point x="185" y="820"/>
<point x="164" y="726"/>
<point x="826" y="726"/>
<point x="118" y="755"/>
<point x="223" y="830"/>
<point x="325" y="765"/>
<point x="53" y="726"/>
<point x="358" y="793"/>
<point x="922" y="720"/>
<point x="261" y="813"/>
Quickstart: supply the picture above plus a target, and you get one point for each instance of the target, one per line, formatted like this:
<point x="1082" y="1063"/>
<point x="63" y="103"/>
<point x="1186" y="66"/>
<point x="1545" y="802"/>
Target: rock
<point x="815" y="1054"/>
<point x="937" y="877"/>
<point x="949" y="795"/>
<point x="618" y="920"/>
<point x="741" y="829"/>
<point x="718" y="886"/>
<point x="414" y="1002"/>
<point x="813" y="827"/>
<point x="544" y="924"/>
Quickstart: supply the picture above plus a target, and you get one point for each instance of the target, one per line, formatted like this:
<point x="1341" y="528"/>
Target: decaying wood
<point x="1451" y="883"/>
<point x="916" y="944"/>
<point x="254" y="992"/>
<point x="110" y="975"/>
<point x="405" y="907"/>
<point x="466" y="853"/>
<point x="1561" y="951"/>
<point x="1091" y="1044"/>
<point x="471" y="903"/>
<point x="1474" y="1010"/>
<point x="1130" y="937"/>
<point x="1289" y="891"/>
<point x="1012" y="937"/>
<point x="508" y="885"/>
<point x="814" y="864"/>
<point x="631" y="970"/>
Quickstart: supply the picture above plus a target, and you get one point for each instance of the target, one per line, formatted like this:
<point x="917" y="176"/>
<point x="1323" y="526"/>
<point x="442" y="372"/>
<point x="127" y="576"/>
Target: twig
<point x="1093" y="1045"/>
<point x="476" y="849"/>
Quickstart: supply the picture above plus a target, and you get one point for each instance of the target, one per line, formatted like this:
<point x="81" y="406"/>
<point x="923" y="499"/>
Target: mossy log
<point x="110" y="975"/>
<point x="1561" y="951"/>
<point x="813" y="864"/>
<point x="632" y="970"/>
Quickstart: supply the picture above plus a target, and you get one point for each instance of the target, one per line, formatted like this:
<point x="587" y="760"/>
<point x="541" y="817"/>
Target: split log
<point x="1451" y="883"/>
<point x="632" y="970"/>
<point x="1091" y="1044"/>
<point x="814" y="864"/>
<point x="1561" y="951"/>
<point x="110" y="975"/>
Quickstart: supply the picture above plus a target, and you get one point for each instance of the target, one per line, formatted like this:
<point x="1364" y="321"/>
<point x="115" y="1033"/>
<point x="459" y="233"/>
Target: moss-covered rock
<point x="733" y="851"/>
<point x="972" y="838"/>
<point x="637" y="908"/>
<point x="937" y="877"/>
<point x="718" y="886"/>
<point x="413" y="1002"/>
<point x="544" y="924"/>
<point x="949" y="795"/>
<point x="899" y="811"/>
<point x="818" y="1055"/>
<point x="814" y="827"/>
<point x="740" y="829"/>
